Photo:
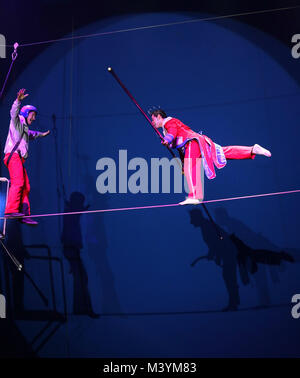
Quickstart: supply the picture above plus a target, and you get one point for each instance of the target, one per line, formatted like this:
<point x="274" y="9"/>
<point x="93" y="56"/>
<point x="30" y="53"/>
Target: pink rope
<point x="253" y="196"/>
<point x="158" y="206"/>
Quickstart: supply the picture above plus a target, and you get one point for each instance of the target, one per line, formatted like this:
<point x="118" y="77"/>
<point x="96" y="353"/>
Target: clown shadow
<point x="97" y="244"/>
<point x="72" y="242"/>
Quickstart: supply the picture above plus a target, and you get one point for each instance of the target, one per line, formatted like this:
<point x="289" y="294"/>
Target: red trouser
<point x="192" y="164"/>
<point x="18" y="195"/>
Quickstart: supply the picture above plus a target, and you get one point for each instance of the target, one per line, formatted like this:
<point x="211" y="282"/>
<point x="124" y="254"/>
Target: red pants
<point x="192" y="164"/>
<point x="18" y="195"/>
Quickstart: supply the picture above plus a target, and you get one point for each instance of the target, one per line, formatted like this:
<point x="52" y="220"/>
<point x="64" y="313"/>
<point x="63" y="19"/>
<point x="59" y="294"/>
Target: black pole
<point x="213" y="222"/>
<point x="138" y="106"/>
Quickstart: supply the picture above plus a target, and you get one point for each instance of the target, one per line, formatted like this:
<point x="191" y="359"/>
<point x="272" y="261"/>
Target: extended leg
<point x="245" y="152"/>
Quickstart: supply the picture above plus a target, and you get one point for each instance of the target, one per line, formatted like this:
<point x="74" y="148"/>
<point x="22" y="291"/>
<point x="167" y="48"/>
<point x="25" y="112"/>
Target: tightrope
<point x="155" y="206"/>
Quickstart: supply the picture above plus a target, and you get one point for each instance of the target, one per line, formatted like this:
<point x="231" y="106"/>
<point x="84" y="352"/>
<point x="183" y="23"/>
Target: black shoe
<point x="13" y="215"/>
<point x="29" y="221"/>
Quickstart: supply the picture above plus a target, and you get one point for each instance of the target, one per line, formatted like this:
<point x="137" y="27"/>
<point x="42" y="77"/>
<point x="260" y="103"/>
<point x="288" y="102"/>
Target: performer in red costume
<point x="195" y="149"/>
<point x="16" y="152"/>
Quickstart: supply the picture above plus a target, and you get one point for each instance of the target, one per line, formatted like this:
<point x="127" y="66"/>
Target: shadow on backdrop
<point x="71" y="239"/>
<point x="222" y="252"/>
<point x="255" y="249"/>
<point x="233" y="255"/>
<point x="97" y="243"/>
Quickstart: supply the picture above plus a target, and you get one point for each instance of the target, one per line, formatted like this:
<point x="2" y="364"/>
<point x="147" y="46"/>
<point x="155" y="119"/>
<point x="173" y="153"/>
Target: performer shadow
<point x="222" y="252"/>
<point x="233" y="255"/>
<point x="257" y="256"/>
<point x="71" y="239"/>
<point x="97" y="244"/>
<point x="249" y="258"/>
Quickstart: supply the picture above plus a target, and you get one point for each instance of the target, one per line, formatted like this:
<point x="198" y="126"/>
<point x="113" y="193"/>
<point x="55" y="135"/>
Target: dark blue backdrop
<point x="221" y="78"/>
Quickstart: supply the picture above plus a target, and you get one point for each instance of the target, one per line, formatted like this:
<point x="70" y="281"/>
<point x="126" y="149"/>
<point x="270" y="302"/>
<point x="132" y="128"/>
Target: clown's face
<point x="31" y="118"/>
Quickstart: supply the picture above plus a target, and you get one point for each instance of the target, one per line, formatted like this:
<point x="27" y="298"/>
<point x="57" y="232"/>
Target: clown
<point x="16" y="152"/>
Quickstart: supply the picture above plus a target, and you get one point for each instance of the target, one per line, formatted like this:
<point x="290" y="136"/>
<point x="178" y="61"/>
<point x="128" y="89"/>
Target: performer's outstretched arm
<point x="33" y="134"/>
<point x="15" y="110"/>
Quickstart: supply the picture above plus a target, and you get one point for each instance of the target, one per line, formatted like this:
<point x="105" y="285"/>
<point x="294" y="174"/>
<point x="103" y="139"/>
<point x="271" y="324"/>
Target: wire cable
<point x="212" y="18"/>
<point x="155" y="206"/>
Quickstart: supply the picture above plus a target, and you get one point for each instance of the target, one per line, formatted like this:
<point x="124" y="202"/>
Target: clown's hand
<point x="21" y="94"/>
<point x="46" y="133"/>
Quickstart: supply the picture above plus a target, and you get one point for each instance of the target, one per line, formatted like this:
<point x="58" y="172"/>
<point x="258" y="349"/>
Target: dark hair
<point x="157" y="112"/>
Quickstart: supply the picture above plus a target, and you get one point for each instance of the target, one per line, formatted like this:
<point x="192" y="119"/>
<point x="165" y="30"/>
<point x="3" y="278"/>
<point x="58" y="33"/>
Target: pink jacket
<point x="177" y="134"/>
<point x="18" y="127"/>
